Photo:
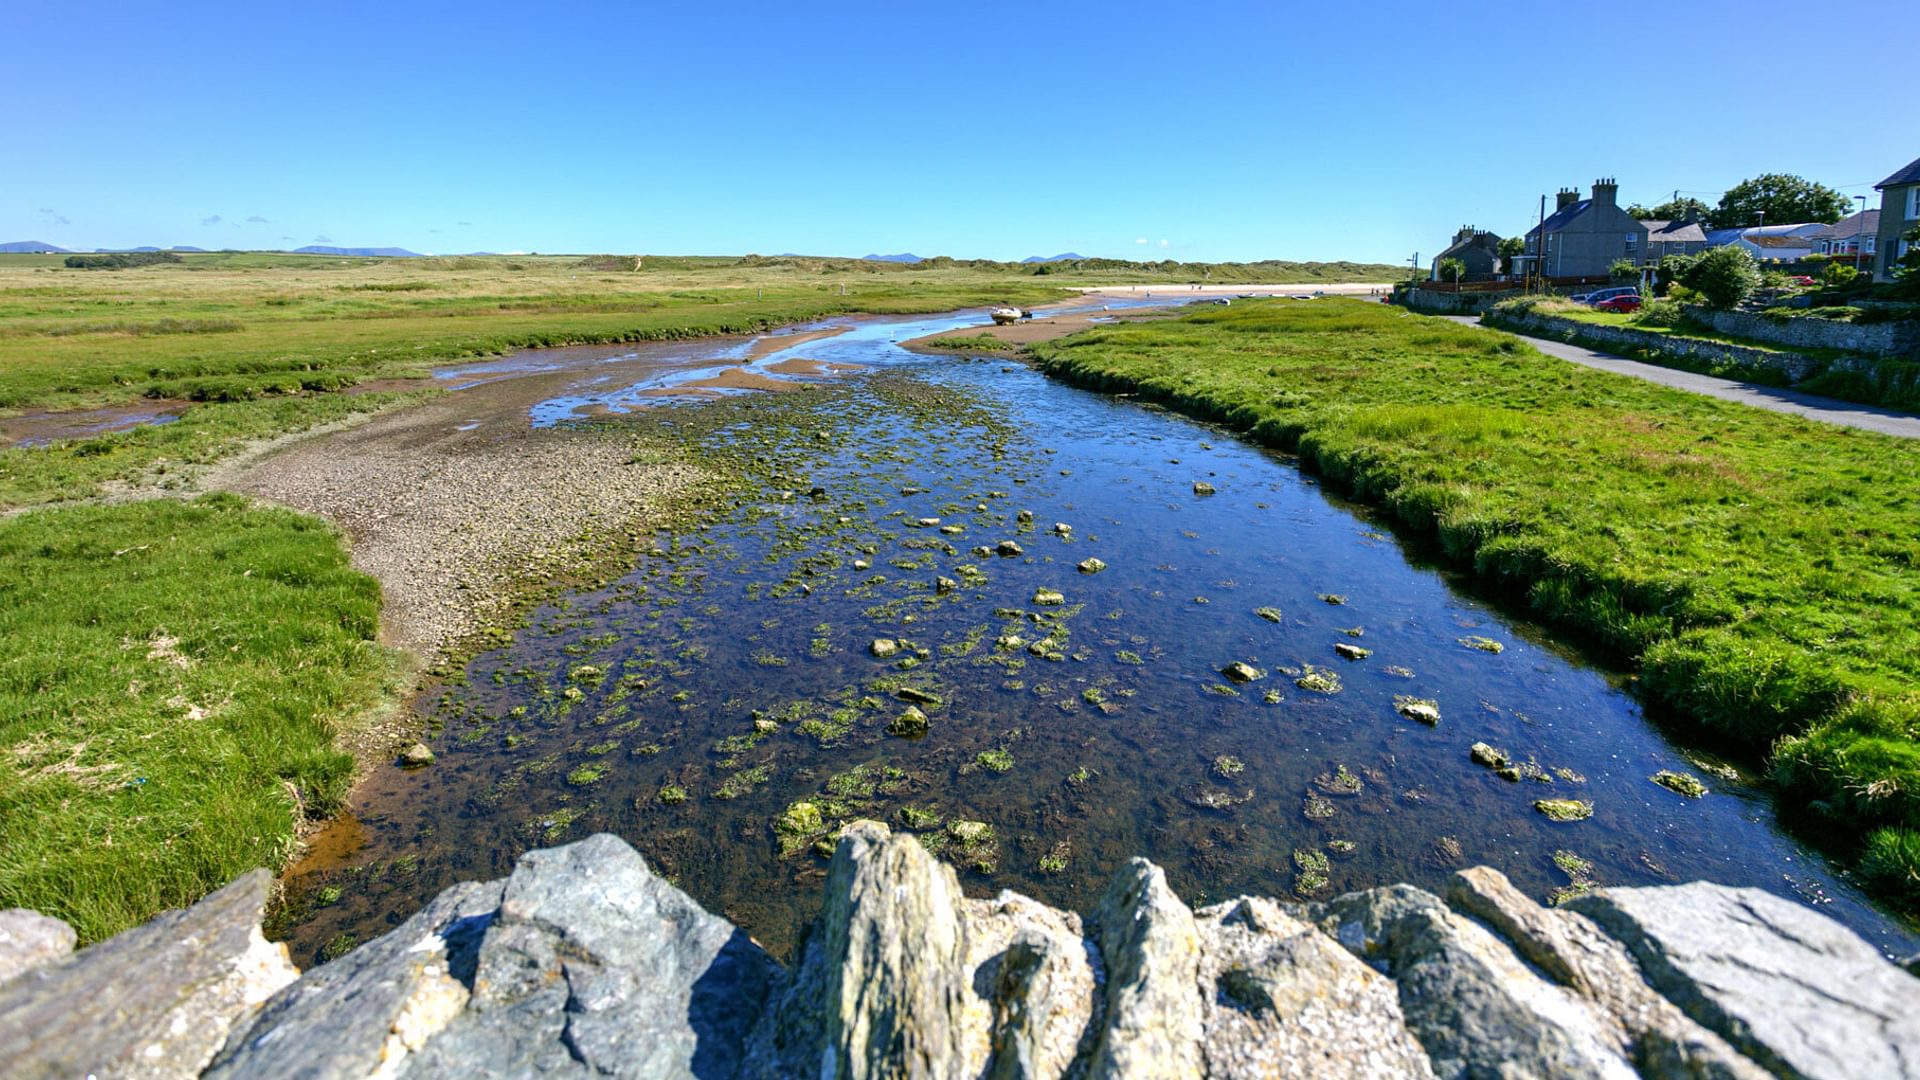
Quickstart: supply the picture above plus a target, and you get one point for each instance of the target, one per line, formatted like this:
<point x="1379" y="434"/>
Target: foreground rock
<point x="584" y="963"/>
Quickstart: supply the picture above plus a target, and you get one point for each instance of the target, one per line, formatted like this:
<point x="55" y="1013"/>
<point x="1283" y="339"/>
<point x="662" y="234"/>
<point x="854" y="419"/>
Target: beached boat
<point x="1003" y="316"/>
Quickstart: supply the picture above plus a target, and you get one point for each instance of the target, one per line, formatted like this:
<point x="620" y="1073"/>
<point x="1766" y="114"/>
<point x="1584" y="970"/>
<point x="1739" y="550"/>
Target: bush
<point x="1839" y="274"/>
<point x="1891" y="863"/>
<point x="1624" y="270"/>
<point x="1724" y="277"/>
<point x="1661" y="313"/>
<point x="121" y="260"/>
<point x="1452" y="270"/>
<point x="1672" y="269"/>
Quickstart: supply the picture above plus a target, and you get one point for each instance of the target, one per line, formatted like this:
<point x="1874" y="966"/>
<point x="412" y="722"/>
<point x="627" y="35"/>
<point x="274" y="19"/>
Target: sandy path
<point x="456" y="503"/>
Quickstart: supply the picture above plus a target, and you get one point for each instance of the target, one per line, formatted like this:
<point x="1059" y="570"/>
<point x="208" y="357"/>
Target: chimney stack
<point x="1606" y="192"/>
<point x="1466" y="233"/>
<point x="1566" y="198"/>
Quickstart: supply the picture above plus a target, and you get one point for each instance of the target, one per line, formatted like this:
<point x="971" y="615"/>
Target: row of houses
<point x="1584" y="238"/>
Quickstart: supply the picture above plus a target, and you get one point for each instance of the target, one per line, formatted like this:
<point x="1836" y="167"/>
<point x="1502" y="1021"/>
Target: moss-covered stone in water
<point x="998" y="761"/>
<point x="1341" y="781"/>
<point x="1271" y="614"/>
<point x="587" y="775"/>
<point x="918" y="817"/>
<point x="1564" y="809"/>
<point x="883" y="648"/>
<point x="1272" y="697"/>
<point x="1317" y="808"/>
<point x="1044" y="597"/>
<point x="1679" y="782"/>
<point x="1242" y="672"/>
<point x="1336" y="599"/>
<point x="1079" y="776"/>
<point x="1347" y="651"/>
<point x="672" y="795"/>
<point x="1341" y="847"/>
<point x="1484" y="644"/>
<point x="910" y="724"/>
<point x="797" y="825"/>
<point x="1491" y="757"/>
<point x="1055" y="860"/>
<point x="1424" y="710"/>
<point x="1317" y="680"/>
<point x="1227" y="765"/>
<point x="1315" y="871"/>
<point x="1092" y="566"/>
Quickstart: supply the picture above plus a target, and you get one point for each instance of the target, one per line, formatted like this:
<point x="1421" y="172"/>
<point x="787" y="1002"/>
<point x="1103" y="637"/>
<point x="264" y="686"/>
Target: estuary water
<point x="724" y="708"/>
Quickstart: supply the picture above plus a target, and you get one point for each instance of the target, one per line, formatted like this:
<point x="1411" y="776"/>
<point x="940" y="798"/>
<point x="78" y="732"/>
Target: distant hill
<point x="127" y="251"/>
<point x="903" y="257"/>
<point x="28" y="247"/>
<point x="378" y="253"/>
<point x="1067" y="257"/>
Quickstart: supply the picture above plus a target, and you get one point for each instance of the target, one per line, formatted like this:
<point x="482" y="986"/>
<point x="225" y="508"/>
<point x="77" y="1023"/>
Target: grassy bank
<point x="176" y="687"/>
<point x="1759" y="569"/>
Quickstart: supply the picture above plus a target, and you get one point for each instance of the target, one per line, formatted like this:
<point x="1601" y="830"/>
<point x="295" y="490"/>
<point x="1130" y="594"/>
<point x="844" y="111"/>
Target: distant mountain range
<point x="1066" y="257"/>
<point x="28" y="247"/>
<point x="128" y="251"/>
<point x="371" y="252"/>
<point x="903" y="257"/>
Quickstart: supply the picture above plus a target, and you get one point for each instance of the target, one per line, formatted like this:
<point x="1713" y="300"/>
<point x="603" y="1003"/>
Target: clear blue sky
<point x="1364" y="130"/>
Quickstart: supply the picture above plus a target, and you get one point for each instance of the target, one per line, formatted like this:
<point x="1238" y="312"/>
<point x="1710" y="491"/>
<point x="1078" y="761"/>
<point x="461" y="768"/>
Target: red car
<point x="1623" y="304"/>
<point x="1803" y="281"/>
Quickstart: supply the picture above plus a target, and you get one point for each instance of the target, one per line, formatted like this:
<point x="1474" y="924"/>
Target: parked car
<point x="1598" y="295"/>
<point x="1623" y="304"/>
<point x="1803" y="281"/>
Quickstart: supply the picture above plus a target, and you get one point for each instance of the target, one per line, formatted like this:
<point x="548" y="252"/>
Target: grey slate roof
<point x="1559" y="218"/>
<point x="1867" y="223"/>
<point x="1675" y="232"/>
<point x="1908" y="175"/>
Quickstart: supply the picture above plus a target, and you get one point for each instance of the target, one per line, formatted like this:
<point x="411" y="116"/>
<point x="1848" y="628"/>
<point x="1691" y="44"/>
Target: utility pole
<point x="1413" y="268"/>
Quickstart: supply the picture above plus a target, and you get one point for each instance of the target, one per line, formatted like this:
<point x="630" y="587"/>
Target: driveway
<point x="1774" y="399"/>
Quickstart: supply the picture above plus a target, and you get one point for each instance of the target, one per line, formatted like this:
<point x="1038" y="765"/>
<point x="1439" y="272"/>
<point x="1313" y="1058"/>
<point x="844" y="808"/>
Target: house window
<point x="1913" y="203"/>
<point x="1632" y="243"/>
<point x="1869" y="247"/>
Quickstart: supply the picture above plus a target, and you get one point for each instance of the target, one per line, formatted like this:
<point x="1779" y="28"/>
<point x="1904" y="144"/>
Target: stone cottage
<point x="1478" y="249"/>
<point x="1585" y="237"/>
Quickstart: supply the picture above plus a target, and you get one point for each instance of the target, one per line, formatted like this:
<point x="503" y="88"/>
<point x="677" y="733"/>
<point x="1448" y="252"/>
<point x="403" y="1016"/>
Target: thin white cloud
<point x="1140" y="240"/>
<point x="1163" y="243"/>
<point x="323" y="239"/>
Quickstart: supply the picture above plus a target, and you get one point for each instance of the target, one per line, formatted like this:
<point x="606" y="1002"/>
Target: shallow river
<point x="690" y="705"/>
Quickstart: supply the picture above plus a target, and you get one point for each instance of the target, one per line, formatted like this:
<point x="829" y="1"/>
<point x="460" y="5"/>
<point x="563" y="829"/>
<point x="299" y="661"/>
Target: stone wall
<point x="585" y="963"/>
<point x="1430" y="302"/>
<point x="1767" y="364"/>
<point x="1892" y="339"/>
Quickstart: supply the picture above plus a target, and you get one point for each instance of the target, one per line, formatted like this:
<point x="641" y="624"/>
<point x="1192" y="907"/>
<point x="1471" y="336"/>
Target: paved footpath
<point x="1830" y="410"/>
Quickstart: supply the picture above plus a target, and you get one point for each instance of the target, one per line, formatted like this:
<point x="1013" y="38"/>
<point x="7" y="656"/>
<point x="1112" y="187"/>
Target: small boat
<point x="1003" y="316"/>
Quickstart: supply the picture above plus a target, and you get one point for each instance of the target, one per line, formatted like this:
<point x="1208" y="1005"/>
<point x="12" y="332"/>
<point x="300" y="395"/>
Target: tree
<point x="1624" y="270"/>
<point x="1906" y="268"/>
<point x="1452" y="270"/>
<point x="1724" y="276"/>
<point x="1839" y="274"/>
<point x="1672" y="210"/>
<point x="1781" y="198"/>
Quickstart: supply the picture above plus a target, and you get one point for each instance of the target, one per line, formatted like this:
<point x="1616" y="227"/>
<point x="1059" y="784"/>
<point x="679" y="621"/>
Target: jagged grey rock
<point x="368" y="1010"/>
<point x="31" y="940"/>
<point x="1791" y="988"/>
<point x="1281" y="999"/>
<point x="1151" y="949"/>
<point x="594" y="966"/>
<point x="879" y="990"/>
<point x="1475" y="1007"/>
<point x="155" y="1001"/>
<point x="1036" y="982"/>
<point x="1661" y="1040"/>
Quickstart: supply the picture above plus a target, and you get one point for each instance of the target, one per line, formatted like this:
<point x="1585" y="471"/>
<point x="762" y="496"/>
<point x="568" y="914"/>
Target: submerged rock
<point x="1483" y="754"/>
<point x="419" y="755"/>
<point x="1424" y="710"/>
<point x="1008" y="549"/>
<point x="1348" y="651"/>
<point x="1242" y="672"/>
<point x="884" y="648"/>
<point x="1092" y="566"/>
<point x="1679" y="782"/>
<point x="1044" y="597"/>
<point x="1201" y="487"/>
<point x="1564" y="809"/>
<point x="911" y="723"/>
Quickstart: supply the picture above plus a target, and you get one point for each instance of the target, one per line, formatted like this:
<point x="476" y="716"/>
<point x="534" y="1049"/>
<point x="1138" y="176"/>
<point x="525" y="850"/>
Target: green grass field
<point x="178" y="682"/>
<point x="1762" y="572"/>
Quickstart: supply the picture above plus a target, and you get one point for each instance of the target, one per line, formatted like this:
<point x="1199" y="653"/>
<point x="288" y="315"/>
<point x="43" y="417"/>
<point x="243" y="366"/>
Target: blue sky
<point x="1366" y="130"/>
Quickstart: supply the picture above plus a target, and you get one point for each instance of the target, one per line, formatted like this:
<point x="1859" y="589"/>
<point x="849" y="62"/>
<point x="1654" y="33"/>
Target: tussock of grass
<point x="172" y="688"/>
<point x="1760" y="569"/>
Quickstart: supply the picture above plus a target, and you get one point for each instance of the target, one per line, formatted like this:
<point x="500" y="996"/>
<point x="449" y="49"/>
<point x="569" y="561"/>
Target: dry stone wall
<point x="585" y="963"/>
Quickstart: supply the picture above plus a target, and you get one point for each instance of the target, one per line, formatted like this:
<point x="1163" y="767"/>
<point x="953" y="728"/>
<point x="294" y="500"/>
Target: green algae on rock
<point x="1564" y="809"/>
<point x="1680" y="783"/>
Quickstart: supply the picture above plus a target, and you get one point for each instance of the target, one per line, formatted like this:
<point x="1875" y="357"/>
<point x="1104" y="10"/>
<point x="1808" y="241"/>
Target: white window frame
<point x="1633" y="243"/>
<point x="1913" y="203"/>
